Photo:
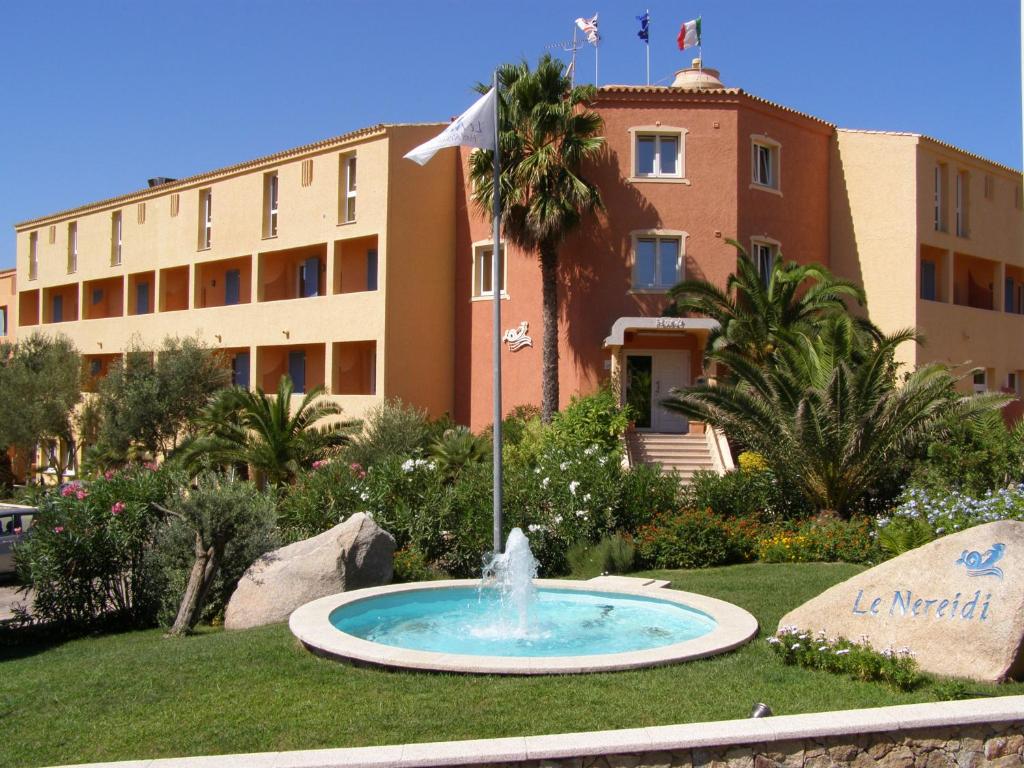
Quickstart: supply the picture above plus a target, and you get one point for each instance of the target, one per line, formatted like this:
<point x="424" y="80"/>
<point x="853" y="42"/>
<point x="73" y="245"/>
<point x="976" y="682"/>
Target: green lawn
<point x="140" y="695"/>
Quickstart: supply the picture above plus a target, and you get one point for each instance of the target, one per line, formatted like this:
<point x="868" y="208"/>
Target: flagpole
<point x="597" y="50"/>
<point x="496" y="285"/>
<point x="572" y="65"/>
<point x="647" y="44"/>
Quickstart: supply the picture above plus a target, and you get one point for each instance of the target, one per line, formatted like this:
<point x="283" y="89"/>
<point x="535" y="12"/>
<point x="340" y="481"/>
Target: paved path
<point x="9" y="597"/>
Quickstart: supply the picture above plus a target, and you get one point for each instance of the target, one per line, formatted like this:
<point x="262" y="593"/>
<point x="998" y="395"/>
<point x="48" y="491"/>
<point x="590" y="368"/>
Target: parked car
<point x="15" y="523"/>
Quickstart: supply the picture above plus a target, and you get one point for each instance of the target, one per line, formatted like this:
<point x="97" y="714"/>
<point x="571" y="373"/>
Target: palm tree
<point x="827" y="412"/>
<point x="250" y="428"/>
<point x="754" y="315"/>
<point x="546" y="133"/>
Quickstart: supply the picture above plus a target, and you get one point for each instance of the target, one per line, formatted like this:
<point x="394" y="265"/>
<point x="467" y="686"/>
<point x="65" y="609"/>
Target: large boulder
<point x="956" y="603"/>
<point x="354" y="554"/>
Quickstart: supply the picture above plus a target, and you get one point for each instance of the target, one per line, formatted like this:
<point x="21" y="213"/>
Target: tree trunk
<point x="199" y="581"/>
<point x="549" y="354"/>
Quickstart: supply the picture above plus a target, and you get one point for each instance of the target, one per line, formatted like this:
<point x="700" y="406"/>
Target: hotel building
<point x="342" y="264"/>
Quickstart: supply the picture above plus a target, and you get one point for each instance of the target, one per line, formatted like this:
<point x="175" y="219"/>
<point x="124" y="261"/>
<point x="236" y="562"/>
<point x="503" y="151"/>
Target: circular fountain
<point x="510" y="622"/>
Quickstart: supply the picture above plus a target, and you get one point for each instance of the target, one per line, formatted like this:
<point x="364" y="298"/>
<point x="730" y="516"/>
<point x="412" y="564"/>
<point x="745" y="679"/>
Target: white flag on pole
<point x="474" y="128"/>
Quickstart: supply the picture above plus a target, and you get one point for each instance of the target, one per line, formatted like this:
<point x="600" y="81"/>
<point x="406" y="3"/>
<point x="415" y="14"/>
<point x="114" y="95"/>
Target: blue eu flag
<point x="644" y="21"/>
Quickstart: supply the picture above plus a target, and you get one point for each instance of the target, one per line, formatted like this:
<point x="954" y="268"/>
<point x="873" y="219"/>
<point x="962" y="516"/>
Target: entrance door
<point x="650" y="377"/>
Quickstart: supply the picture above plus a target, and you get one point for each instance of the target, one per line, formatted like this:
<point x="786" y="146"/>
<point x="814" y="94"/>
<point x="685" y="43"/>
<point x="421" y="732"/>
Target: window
<point x="232" y="287"/>
<point x="72" y="247"/>
<point x="58" y="309"/>
<point x="270" y="205"/>
<point x="940" y="183"/>
<point x="961" y="204"/>
<point x="929" y="287"/>
<point x="309" y="278"/>
<point x="483" y="270"/>
<point x="371" y="270"/>
<point x="980" y="380"/>
<point x="175" y="204"/>
<point x="3" y="321"/>
<point x="348" y="186"/>
<point x="1013" y="382"/>
<point x="140" y="213"/>
<point x="656" y="264"/>
<point x="33" y="255"/>
<point x="115" y="238"/>
<point x="658" y="155"/>
<point x="763" y="256"/>
<point x="142" y="297"/>
<point x="307" y="172"/>
<point x="240" y="370"/>
<point x="205" y="218"/>
<point x="1012" y="297"/>
<point x="989" y="187"/>
<point x="764" y="159"/>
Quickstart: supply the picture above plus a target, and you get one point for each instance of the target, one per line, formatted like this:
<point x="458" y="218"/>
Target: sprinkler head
<point x="761" y="710"/>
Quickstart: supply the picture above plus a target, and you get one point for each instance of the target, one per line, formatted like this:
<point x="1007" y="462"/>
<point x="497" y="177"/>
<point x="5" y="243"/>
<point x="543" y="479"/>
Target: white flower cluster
<point x="410" y="465"/>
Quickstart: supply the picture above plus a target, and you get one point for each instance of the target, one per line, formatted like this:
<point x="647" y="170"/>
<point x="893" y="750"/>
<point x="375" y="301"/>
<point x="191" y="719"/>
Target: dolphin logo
<point x="978" y="564"/>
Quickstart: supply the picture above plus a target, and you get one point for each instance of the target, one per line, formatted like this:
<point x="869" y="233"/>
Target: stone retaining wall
<point x="959" y="734"/>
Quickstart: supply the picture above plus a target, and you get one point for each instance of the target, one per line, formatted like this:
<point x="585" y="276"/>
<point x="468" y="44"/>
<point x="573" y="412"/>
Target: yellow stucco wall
<point x="168" y="235"/>
<point x="883" y="225"/>
<point x="9" y="303"/>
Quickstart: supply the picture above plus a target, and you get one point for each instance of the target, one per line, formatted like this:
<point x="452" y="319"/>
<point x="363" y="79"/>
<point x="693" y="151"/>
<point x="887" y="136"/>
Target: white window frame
<point x="72" y="247"/>
<point x="117" y="238"/>
<point x="480" y="248"/>
<point x="205" y="219"/>
<point x="1013" y="382"/>
<point x="350" y="182"/>
<point x="940" y="213"/>
<point x="3" y="321"/>
<point x="271" y="191"/>
<point x="759" y="142"/>
<point x="960" y="204"/>
<point x="33" y="255"/>
<point x="758" y="246"/>
<point x="657" y="234"/>
<point x="982" y="385"/>
<point x="657" y="132"/>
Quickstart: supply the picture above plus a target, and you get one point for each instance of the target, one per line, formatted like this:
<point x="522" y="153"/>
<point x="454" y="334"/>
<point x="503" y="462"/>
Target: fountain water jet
<point x="511" y="573"/>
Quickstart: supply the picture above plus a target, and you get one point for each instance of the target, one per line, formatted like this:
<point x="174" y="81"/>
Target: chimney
<point x="157" y="181"/>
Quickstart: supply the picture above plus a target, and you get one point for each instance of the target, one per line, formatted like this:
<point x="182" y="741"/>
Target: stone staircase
<point x="682" y="454"/>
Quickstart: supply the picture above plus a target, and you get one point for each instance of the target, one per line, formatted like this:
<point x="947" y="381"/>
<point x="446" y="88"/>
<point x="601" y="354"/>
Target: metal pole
<point x="597" y="49"/>
<point x="647" y="44"/>
<point x="496" y="284"/>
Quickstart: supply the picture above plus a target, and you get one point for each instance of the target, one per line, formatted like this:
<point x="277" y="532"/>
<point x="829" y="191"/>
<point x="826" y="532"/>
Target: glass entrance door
<point x="638" y="388"/>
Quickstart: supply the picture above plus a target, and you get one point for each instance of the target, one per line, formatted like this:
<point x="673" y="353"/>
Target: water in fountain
<point x="511" y="574"/>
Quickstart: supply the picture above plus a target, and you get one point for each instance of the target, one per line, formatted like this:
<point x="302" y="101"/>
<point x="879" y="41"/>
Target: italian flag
<point x="689" y="34"/>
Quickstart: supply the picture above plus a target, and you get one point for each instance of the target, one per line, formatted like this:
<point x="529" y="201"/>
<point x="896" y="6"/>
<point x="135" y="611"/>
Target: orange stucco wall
<point x="595" y="276"/>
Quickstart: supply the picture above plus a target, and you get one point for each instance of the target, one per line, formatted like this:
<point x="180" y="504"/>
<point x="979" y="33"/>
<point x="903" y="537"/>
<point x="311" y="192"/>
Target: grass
<point x="140" y="695"/>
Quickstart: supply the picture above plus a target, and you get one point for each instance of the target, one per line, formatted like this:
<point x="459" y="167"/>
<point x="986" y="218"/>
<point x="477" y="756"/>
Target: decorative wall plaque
<point x="516" y="338"/>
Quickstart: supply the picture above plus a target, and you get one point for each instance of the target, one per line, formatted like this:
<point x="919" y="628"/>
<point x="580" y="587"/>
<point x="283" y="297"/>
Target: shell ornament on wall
<point x="516" y="338"/>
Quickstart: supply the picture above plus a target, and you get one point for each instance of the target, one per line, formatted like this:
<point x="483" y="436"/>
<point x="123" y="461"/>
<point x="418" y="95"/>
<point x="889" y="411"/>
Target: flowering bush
<point x="696" y="539"/>
<point x="820" y="540"/>
<point x="87" y="557"/>
<point x="897" y="667"/>
<point x="955" y="511"/>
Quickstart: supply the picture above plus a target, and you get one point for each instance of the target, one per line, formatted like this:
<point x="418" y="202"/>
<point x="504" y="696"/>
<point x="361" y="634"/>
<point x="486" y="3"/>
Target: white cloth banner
<point x="473" y="128"/>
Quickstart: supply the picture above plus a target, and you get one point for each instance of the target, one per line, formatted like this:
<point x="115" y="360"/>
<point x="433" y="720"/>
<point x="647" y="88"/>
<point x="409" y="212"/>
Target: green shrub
<point x="457" y="447"/>
<point x="740" y="493"/>
<point x="231" y="507"/>
<point x="612" y="554"/>
<point x="320" y="499"/>
<point x="411" y="565"/>
<point x="896" y="667"/>
<point x="391" y="429"/>
<point x="88" y="558"/>
<point x="975" y="456"/>
<point x="696" y="539"/>
<point x="820" y="540"/>
<point x="596" y="419"/>
<point x="644" y="494"/>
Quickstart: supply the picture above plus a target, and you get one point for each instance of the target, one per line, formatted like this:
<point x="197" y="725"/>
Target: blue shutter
<point x="928" y="280"/>
<point x="297" y="370"/>
<point x="142" y="298"/>
<point x="58" y="309"/>
<point x="240" y="370"/>
<point x="310" y="274"/>
<point x="371" y="270"/>
<point x="232" y="286"/>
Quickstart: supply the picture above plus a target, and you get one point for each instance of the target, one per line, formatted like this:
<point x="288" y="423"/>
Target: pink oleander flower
<point x="320" y="464"/>
<point x="80" y="494"/>
<point x="152" y="466"/>
<point x="108" y="475"/>
<point x="71" y="489"/>
<point x="357" y="469"/>
<point x="59" y="529"/>
<point x="118" y="508"/>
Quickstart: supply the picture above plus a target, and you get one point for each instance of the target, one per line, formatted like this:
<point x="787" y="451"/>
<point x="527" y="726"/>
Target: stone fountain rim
<point x="310" y="623"/>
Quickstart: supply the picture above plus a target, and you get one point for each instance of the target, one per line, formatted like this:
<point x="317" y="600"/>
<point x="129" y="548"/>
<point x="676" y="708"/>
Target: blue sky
<point x="98" y="96"/>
